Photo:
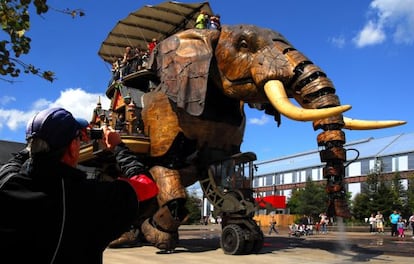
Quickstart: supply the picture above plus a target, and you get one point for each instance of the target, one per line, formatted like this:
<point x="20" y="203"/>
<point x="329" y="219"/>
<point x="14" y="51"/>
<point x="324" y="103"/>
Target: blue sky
<point x="364" y="46"/>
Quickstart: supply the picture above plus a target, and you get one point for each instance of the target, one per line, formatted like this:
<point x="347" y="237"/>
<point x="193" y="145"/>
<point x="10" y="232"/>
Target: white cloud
<point x="79" y="102"/>
<point x="338" y="42"/>
<point x="40" y="104"/>
<point x="6" y="99"/>
<point x="13" y="118"/>
<point x="259" y="121"/>
<point x="393" y="18"/>
<point x="371" y="34"/>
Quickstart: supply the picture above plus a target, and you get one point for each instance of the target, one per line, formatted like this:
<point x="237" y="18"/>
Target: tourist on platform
<point x="152" y="45"/>
<point x="214" y="22"/>
<point x="202" y="20"/>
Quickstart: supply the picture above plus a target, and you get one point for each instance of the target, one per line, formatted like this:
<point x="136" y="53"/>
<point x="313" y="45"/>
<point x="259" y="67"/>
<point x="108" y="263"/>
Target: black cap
<point x="56" y="126"/>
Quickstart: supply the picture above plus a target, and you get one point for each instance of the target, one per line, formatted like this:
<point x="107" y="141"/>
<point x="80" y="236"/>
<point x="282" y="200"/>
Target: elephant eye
<point x="244" y="44"/>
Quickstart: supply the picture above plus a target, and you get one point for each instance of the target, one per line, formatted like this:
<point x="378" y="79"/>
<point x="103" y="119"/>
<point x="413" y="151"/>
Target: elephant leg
<point x="162" y="228"/>
<point x="334" y="155"/>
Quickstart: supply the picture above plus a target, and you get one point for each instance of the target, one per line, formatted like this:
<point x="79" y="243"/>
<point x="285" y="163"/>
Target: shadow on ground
<point x="355" y="249"/>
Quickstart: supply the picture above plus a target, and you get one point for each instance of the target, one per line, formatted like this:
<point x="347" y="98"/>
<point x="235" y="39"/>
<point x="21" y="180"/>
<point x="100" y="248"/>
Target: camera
<point x="96" y="133"/>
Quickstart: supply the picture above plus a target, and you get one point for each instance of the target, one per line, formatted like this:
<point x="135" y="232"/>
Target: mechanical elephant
<point x="194" y="114"/>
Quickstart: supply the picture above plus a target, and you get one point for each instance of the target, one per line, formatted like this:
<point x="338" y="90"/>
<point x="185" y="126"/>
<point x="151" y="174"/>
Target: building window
<point x="365" y="167"/>
<point x="400" y="163"/>
<point x="287" y="178"/>
<point x="269" y="180"/>
<point x="410" y="161"/>
<point x="315" y="174"/>
<point x="302" y="176"/>
<point x="295" y="177"/>
<point x="256" y="182"/>
<point x="308" y="174"/>
<point x="386" y="164"/>
<point x="354" y="169"/>
<point x="278" y="179"/>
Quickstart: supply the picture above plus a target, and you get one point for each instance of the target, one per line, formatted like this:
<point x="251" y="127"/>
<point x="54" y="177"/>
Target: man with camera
<point x="50" y="211"/>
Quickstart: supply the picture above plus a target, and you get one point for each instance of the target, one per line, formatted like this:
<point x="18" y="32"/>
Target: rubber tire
<point x="258" y="243"/>
<point x="254" y="246"/>
<point x="232" y="240"/>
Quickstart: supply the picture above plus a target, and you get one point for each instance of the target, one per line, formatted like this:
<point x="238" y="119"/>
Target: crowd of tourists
<point x="133" y="59"/>
<point x="398" y="224"/>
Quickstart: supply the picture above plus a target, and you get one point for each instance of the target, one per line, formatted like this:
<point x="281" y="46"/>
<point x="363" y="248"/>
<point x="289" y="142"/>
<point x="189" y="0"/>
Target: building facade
<point x="7" y="148"/>
<point x="388" y="155"/>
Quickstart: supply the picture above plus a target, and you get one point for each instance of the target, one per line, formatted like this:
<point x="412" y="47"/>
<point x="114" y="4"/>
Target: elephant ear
<point x="182" y="64"/>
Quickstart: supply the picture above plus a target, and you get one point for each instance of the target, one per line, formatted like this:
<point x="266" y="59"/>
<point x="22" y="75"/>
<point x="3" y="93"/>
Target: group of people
<point x="303" y="228"/>
<point x="306" y="225"/>
<point x="376" y="223"/>
<point x="398" y="223"/>
<point x="133" y="59"/>
<point x="206" y="21"/>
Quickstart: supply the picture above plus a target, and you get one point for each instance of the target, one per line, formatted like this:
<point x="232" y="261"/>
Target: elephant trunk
<point x="313" y="90"/>
<point x="317" y="91"/>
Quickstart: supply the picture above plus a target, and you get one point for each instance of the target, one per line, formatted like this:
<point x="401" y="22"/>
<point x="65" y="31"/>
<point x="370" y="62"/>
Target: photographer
<point x="50" y="212"/>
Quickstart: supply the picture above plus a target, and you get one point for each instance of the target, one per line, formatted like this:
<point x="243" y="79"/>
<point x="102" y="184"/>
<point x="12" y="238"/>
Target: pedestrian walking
<point x="272" y="225"/>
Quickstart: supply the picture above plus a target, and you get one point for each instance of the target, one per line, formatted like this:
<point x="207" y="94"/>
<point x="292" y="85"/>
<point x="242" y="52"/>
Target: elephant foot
<point x="341" y="208"/>
<point x="338" y="205"/>
<point x="162" y="229"/>
<point x="127" y="239"/>
<point x="160" y="239"/>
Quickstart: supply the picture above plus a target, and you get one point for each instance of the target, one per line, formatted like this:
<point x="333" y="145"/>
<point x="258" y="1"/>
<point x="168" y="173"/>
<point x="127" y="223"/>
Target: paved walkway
<point x="200" y="244"/>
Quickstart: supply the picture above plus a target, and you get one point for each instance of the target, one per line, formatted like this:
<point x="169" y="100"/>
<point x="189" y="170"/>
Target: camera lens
<point x="96" y="133"/>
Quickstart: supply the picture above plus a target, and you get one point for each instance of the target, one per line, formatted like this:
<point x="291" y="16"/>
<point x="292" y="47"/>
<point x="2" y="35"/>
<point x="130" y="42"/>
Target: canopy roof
<point x="148" y="22"/>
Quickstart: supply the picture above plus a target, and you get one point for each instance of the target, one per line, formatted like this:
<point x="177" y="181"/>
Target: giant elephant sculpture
<point x="194" y="113"/>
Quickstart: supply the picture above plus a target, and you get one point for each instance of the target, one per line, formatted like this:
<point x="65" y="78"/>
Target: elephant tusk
<point x="276" y="94"/>
<point x="356" y="124"/>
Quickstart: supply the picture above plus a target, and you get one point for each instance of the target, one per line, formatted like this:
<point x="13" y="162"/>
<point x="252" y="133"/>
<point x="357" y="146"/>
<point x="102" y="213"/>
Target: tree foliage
<point x="15" y="22"/>
<point x="193" y="205"/>
<point x="383" y="195"/>
<point x="310" y="200"/>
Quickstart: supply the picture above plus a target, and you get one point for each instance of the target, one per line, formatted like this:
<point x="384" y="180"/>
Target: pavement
<point x="201" y="244"/>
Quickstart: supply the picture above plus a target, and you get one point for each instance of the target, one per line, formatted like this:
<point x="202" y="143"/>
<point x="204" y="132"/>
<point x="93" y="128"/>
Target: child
<point x="400" y="227"/>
